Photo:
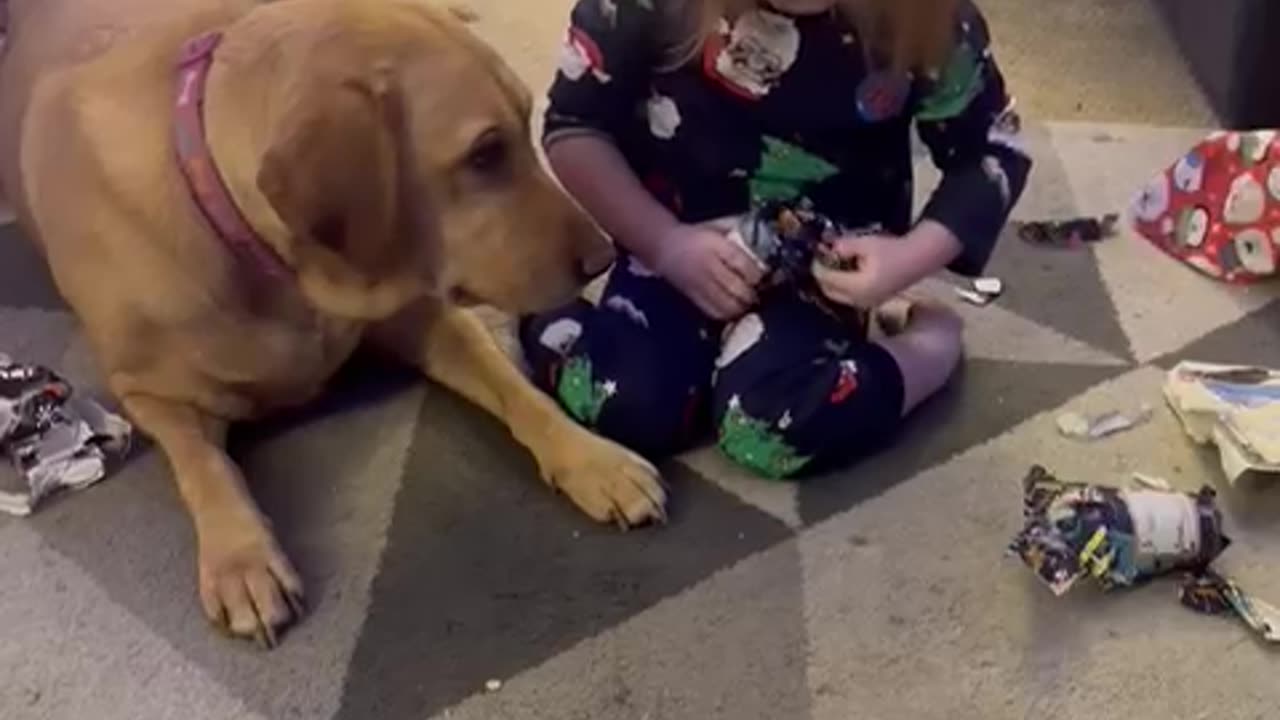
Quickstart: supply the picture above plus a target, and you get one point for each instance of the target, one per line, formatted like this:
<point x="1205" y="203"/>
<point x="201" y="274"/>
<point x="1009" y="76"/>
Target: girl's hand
<point x="717" y="274"/>
<point x="882" y="266"/>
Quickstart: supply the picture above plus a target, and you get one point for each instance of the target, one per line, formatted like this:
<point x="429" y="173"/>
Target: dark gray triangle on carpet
<point x="326" y="476"/>
<point x="1253" y="339"/>
<point x="986" y="399"/>
<point x="487" y="573"/>
<point x="24" y="277"/>
<point x="1061" y="289"/>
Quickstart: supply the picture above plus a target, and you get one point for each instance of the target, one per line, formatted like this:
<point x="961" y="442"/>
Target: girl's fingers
<point x="840" y="286"/>
<point x="734" y="286"/>
<point x="714" y="301"/>
<point x="745" y="265"/>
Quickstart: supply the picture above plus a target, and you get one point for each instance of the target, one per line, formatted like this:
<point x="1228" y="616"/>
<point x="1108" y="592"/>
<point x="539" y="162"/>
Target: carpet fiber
<point x="436" y="562"/>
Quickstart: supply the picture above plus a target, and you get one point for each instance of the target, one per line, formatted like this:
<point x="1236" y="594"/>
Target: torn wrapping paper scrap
<point x="1082" y="427"/>
<point x="1211" y="594"/>
<point x="1071" y="233"/>
<point x="54" y="438"/>
<point x="1117" y="536"/>
<point x="992" y="286"/>
<point x="982" y="291"/>
<point x="1234" y="407"/>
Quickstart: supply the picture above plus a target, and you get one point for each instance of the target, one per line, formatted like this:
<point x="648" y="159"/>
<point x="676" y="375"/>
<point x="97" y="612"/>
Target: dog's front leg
<point x="453" y="347"/>
<point x="247" y="584"/>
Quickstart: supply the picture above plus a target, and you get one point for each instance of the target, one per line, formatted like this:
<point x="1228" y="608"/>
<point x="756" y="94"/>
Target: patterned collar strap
<point x="196" y="161"/>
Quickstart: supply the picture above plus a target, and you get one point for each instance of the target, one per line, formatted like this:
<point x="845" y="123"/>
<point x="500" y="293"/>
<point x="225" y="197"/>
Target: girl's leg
<point x="636" y="368"/>
<point x="795" y="394"/>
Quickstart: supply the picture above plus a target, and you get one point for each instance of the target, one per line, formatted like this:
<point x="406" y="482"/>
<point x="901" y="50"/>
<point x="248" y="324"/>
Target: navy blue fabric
<point x="806" y="376"/>
<point x="831" y="122"/>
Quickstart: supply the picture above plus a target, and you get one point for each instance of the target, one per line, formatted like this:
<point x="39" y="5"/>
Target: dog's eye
<point x="489" y="154"/>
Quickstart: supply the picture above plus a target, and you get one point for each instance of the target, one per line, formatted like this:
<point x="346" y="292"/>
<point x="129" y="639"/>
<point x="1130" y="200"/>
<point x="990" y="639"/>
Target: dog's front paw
<point x="247" y="585"/>
<point x="607" y="481"/>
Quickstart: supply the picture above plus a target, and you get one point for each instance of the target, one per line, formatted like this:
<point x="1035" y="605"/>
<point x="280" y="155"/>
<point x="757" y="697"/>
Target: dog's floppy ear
<point x="336" y="173"/>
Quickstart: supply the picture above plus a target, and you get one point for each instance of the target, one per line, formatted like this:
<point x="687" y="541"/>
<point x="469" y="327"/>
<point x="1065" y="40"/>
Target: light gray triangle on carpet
<point x="1164" y="305"/>
<point x="328" y="481"/>
<point x="1108" y="164"/>
<point x="71" y="652"/>
<point x="915" y="584"/>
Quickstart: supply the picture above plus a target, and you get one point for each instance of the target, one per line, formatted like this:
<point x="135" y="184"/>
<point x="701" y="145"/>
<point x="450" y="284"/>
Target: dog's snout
<point x="593" y="263"/>
<point x="594" y="251"/>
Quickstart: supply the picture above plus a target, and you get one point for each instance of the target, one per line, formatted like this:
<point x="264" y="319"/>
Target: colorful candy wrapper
<point x="1117" y="536"/>
<point x="1211" y="594"/>
<point x="55" y="438"/>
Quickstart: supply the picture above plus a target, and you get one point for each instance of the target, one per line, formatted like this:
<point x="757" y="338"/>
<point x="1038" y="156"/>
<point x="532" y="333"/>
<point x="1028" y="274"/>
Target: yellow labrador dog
<point x="233" y="196"/>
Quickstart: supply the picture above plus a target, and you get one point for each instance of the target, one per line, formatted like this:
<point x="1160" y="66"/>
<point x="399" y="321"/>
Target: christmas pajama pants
<point x="788" y="389"/>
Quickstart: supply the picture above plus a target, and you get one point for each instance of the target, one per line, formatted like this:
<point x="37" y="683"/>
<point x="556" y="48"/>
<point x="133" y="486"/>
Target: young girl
<point x="668" y="116"/>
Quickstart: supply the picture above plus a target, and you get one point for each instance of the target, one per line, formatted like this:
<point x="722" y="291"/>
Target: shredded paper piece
<point x="1211" y="594"/>
<point x="1236" y="408"/>
<point x="55" y="439"/>
<point x="1082" y="427"/>
<point x="982" y="291"/>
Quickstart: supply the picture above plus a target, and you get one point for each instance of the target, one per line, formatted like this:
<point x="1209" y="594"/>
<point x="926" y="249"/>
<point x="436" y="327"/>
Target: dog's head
<point x="402" y="164"/>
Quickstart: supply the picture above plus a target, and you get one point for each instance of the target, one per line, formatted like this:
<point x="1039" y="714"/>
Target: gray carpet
<point x="436" y="561"/>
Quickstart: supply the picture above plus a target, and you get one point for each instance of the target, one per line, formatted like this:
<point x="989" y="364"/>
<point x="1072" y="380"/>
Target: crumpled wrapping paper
<point x="1122" y="537"/>
<point x="1117" y="536"/>
<point x="56" y="439"/>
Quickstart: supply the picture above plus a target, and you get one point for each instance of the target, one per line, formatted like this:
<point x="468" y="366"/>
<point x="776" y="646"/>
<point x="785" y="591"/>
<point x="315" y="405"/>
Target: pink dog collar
<point x="196" y="161"/>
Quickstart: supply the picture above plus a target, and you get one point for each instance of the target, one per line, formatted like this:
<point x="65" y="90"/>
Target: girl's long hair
<point x="909" y="35"/>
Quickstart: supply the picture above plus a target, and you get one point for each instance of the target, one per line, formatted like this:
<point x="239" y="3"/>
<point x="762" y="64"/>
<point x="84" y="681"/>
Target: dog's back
<point x="45" y="36"/>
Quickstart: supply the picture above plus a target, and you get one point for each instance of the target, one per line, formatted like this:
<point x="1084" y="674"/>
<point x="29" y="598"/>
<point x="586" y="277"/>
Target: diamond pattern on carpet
<point x="437" y="561"/>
